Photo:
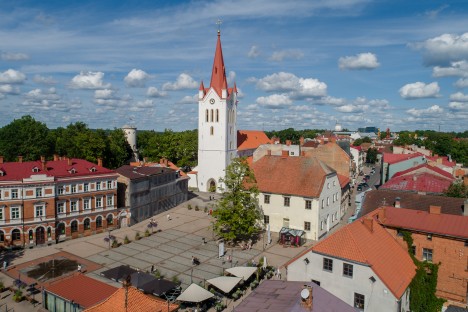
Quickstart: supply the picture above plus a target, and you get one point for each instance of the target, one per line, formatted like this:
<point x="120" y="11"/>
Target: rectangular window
<point x="306" y="226"/>
<point x="98" y="186"/>
<point x="427" y="254"/>
<point x="109" y="184"/>
<point x="39" y="211"/>
<point x="86" y="187"/>
<point x="323" y="200"/>
<point x="287" y="201"/>
<point x="347" y="269"/>
<point x="266" y="199"/>
<point x="328" y="201"/>
<point x="61" y="190"/>
<point x="266" y="219"/>
<point x="38" y="192"/>
<point x="73" y="188"/>
<point x="98" y="202"/>
<point x="2" y="215"/>
<point x="86" y="204"/>
<point x="308" y="204"/>
<point x="328" y="264"/>
<point x="110" y="201"/>
<point x="60" y="208"/>
<point x="15" y="213"/>
<point x="359" y="301"/>
<point x="73" y="206"/>
<point x="14" y="193"/>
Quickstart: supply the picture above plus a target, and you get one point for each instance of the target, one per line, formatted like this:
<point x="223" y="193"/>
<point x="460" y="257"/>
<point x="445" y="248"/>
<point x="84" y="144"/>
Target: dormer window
<point x="92" y="169"/>
<point x="72" y="170"/>
<point x="35" y="169"/>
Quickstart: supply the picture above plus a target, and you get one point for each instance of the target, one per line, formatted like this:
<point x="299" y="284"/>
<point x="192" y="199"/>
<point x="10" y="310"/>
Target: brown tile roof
<point x="136" y="302"/>
<point x="377" y="198"/>
<point x="367" y="242"/>
<point x="343" y="180"/>
<point x="81" y="289"/>
<point x="331" y="154"/>
<point x="134" y="173"/>
<point x="442" y="224"/>
<point x="300" y="176"/>
<point x="250" y="139"/>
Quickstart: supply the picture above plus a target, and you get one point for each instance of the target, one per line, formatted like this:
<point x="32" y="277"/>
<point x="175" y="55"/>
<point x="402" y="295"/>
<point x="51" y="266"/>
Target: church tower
<point x="217" y="131"/>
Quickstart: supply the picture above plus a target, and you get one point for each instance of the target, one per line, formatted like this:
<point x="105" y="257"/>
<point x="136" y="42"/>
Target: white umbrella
<point x="244" y="272"/>
<point x="225" y="283"/>
<point x="195" y="293"/>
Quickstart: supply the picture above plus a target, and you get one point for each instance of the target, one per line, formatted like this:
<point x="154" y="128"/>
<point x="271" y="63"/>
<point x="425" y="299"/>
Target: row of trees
<point x="293" y="135"/>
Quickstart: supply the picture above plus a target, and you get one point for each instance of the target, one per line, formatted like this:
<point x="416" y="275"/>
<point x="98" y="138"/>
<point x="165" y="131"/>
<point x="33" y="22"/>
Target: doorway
<point x="40" y="236"/>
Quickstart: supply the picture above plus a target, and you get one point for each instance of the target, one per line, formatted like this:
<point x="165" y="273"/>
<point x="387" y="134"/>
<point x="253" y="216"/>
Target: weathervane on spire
<point x="219" y="22"/>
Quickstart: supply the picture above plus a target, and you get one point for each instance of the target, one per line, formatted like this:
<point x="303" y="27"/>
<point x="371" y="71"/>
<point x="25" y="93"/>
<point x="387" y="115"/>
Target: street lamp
<point x="109" y="238"/>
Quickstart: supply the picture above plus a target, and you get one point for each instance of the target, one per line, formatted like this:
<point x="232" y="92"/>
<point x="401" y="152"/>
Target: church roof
<point x="250" y="139"/>
<point x="218" y="74"/>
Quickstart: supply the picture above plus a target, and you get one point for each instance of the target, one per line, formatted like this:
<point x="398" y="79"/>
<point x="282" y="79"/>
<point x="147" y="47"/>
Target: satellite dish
<point x="305" y="293"/>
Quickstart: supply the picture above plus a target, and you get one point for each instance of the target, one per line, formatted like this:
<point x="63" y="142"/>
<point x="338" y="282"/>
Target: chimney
<point x="1" y="159"/>
<point x="381" y="215"/>
<point x="368" y="223"/>
<point x="43" y="163"/>
<point x="465" y="208"/>
<point x="99" y="161"/>
<point x="301" y="141"/>
<point x="288" y="142"/>
<point x="69" y="161"/>
<point x="284" y="153"/>
<point x="20" y="159"/>
<point x="56" y="157"/>
<point x="333" y="139"/>
<point x="397" y="202"/>
<point x="434" y="209"/>
<point x="163" y="161"/>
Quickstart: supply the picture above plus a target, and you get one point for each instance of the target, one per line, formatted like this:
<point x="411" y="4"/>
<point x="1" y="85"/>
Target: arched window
<point x="49" y="232"/>
<point x="16" y="235"/>
<point x="2" y="236"/>
<point x="206" y="115"/>
<point x="74" y="226"/>
<point x="110" y="219"/>
<point x="217" y="115"/>
<point x="99" y="222"/>
<point x="211" y="116"/>
<point x="211" y="130"/>
<point x="87" y="224"/>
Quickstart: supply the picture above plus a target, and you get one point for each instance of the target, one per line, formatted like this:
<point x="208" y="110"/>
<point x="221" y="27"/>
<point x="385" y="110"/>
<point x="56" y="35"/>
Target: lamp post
<point x="109" y="238"/>
<point x="152" y="225"/>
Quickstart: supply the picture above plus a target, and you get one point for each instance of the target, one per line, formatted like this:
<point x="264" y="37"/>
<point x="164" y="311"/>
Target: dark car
<point x="365" y="185"/>
<point x="367" y="176"/>
<point x="359" y="188"/>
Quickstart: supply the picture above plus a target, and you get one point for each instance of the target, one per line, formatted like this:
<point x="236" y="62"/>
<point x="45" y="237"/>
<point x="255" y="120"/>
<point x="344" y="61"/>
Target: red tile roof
<point x="425" y="168"/>
<point x="15" y="171"/>
<point x="81" y="289"/>
<point x="376" y="248"/>
<point x="344" y="180"/>
<point x="396" y="158"/>
<point x="444" y="159"/>
<point x="250" y="139"/>
<point x="136" y="302"/>
<point x="424" y="221"/>
<point x="422" y="182"/>
<point x="218" y="74"/>
<point x="300" y="176"/>
<point x="356" y="147"/>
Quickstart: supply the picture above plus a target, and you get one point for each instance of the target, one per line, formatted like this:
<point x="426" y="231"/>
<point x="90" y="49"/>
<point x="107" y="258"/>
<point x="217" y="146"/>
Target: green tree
<point x="457" y="189"/>
<point x="118" y="151"/>
<point x="371" y="156"/>
<point x="237" y="213"/>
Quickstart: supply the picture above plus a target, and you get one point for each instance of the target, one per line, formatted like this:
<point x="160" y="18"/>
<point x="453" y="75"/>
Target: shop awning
<point x="195" y="293"/>
<point x="225" y="283"/>
<point x="244" y="272"/>
<point x="285" y="230"/>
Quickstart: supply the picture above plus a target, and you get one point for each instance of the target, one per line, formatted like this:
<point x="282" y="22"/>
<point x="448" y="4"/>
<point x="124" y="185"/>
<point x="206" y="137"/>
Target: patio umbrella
<point x="195" y="293"/>
<point x="225" y="283"/>
<point x="244" y="272"/>
<point x="118" y="273"/>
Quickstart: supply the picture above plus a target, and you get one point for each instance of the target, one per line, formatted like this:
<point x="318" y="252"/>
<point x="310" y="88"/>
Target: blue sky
<point x="301" y="64"/>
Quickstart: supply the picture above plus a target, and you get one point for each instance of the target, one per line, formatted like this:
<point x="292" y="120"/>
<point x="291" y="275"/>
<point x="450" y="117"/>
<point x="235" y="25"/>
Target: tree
<point x="457" y="189"/>
<point x="118" y="151"/>
<point x="237" y="213"/>
<point x="371" y="156"/>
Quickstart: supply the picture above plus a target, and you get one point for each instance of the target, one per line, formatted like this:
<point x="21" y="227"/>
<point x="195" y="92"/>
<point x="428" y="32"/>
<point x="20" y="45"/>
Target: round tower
<point x="131" y="135"/>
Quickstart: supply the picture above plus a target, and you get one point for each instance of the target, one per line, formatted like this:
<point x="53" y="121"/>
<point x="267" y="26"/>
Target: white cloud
<point x="142" y="105"/>
<point x="360" y="61"/>
<point x="462" y="83"/>
<point x="274" y="101"/>
<point x="189" y="99"/>
<point x="298" y="87"/>
<point x="9" y="89"/>
<point x="279" y="56"/>
<point x="136" y="78"/>
<point x="457" y="69"/>
<point x="154" y="92"/>
<point x="434" y="110"/>
<point x="10" y="56"/>
<point x="459" y="97"/>
<point x="104" y="94"/>
<point x="434" y="13"/>
<point x="419" y="90"/>
<point x="329" y="100"/>
<point x="458" y="106"/>
<point x="44" y="80"/>
<point x="352" y="108"/>
<point x="183" y="82"/>
<point x="231" y="77"/>
<point x="444" y="49"/>
<point x="253" y="52"/>
<point x="89" y="80"/>
<point x="12" y="76"/>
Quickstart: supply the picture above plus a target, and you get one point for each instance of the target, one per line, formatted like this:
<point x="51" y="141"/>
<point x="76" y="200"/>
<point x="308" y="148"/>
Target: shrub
<point x="157" y="274"/>
<point x="175" y="279"/>
<point x="196" y="208"/>
<point x="18" y="296"/>
<point x="147" y="233"/>
<point x="189" y="207"/>
<point x="137" y="236"/>
<point x="115" y="243"/>
<point x="126" y="240"/>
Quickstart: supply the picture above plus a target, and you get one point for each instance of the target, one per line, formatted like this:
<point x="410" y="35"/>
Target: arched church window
<point x="217" y="115"/>
<point x="211" y="116"/>
<point x="206" y="115"/>
<point x="211" y="130"/>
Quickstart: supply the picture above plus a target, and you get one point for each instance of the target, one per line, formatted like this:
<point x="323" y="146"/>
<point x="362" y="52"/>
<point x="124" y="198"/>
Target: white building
<point x="358" y="158"/>
<point x="362" y="264"/>
<point x="131" y="135"/>
<point x="299" y="193"/>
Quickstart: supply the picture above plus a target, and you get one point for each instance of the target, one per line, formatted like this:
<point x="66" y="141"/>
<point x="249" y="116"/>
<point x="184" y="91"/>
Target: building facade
<point x="44" y="202"/>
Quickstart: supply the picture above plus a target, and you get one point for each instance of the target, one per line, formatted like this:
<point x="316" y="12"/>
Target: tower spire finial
<point x="219" y="22"/>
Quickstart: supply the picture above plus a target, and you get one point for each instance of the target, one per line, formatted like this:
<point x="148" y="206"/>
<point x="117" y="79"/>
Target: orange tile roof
<point x="344" y="180"/>
<point x="136" y="302"/>
<point x="424" y="221"/>
<point x="300" y="176"/>
<point x="249" y="139"/>
<point x="376" y="248"/>
<point x="81" y="289"/>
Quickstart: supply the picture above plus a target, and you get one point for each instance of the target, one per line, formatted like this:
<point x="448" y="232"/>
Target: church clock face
<point x="212" y="101"/>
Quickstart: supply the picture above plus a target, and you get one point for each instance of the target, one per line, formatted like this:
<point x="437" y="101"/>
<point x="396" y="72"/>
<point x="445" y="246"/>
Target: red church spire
<point x="218" y="75"/>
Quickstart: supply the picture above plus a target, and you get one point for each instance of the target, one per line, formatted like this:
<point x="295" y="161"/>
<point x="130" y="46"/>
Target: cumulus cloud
<point x="462" y="83"/>
<point x="444" y="49"/>
<point x="298" y="87"/>
<point x="136" y="78"/>
<point x="9" y="89"/>
<point x="254" y="52"/>
<point x="352" y="108"/>
<point x="104" y="94"/>
<point x="183" y="82"/>
<point x="10" y="56"/>
<point x="155" y="93"/>
<point x="360" y="61"/>
<point x="231" y="77"/>
<point x="457" y="69"/>
<point x="189" y="99"/>
<point x="419" y="90"/>
<point x="274" y="101"/>
<point x="47" y="100"/>
<point x="107" y="99"/>
<point x="142" y="105"/>
<point x="434" y="110"/>
<point x="459" y="97"/>
<point x="12" y="76"/>
<point x="46" y="80"/>
<point x="458" y="106"/>
<point x="89" y="80"/>
<point x="279" y="56"/>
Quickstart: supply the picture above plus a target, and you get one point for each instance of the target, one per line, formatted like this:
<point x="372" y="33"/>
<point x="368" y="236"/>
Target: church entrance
<point x="212" y="186"/>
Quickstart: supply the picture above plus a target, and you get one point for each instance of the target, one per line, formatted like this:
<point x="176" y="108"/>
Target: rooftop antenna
<point x="219" y="22"/>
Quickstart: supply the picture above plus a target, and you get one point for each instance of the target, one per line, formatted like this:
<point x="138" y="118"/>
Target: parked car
<point x="359" y="188"/>
<point x="365" y="185"/>
<point x="367" y="177"/>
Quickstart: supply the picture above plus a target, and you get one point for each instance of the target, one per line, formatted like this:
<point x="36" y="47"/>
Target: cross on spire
<point x="219" y="22"/>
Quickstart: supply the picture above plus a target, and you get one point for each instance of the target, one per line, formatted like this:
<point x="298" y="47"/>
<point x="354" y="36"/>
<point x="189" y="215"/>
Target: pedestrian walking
<point x="79" y="267"/>
<point x="5" y="264"/>
<point x="168" y="217"/>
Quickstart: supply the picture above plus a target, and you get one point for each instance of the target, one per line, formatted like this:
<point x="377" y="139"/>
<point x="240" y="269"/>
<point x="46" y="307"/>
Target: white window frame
<point x="39" y="211"/>
<point x="61" y="207"/>
<point x="15" y="210"/>
<point x="14" y="191"/>
<point x="86" y="204"/>
<point x="86" y="187"/>
<point x="109" y="184"/>
<point x="61" y="190"/>
<point x="74" y="207"/>
<point x="73" y="188"/>
<point x="111" y="203"/>
<point x="98" y="186"/>
<point x="308" y="204"/>
<point x="39" y="192"/>
<point x="99" y="204"/>
<point x="2" y="213"/>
